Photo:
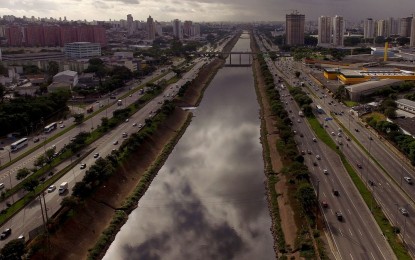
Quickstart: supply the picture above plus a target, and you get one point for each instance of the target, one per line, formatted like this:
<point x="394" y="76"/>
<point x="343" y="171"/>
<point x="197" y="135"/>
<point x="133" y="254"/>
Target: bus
<point x="51" y="127"/>
<point x="319" y="109"/>
<point x="18" y="144"/>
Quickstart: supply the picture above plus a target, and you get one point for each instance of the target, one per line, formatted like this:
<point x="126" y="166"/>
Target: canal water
<point x="208" y="201"/>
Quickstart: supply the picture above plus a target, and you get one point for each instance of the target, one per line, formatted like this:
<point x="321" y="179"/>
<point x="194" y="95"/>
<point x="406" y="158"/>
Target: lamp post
<point x="11" y="186"/>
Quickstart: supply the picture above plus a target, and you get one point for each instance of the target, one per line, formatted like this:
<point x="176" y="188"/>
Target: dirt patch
<point x="286" y="212"/>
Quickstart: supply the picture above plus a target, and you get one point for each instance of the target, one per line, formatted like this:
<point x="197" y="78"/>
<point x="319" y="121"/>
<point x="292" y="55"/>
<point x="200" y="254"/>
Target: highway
<point x="31" y="217"/>
<point x="389" y="188"/>
<point x="357" y="236"/>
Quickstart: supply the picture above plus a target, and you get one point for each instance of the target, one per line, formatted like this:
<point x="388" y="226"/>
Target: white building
<point x="406" y="105"/>
<point x="79" y="50"/>
<point x="68" y="77"/>
<point x="177" y="29"/>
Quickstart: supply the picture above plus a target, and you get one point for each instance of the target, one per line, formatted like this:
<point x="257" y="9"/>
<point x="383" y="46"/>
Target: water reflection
<point x="208" y="200"/>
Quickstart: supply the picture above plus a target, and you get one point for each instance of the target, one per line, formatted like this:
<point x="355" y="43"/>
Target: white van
<point x="63" y="187"/>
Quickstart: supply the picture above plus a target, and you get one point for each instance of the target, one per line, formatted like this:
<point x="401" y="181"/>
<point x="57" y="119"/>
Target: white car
<point x="62" y="126"/>
<point x="51" y="188"/>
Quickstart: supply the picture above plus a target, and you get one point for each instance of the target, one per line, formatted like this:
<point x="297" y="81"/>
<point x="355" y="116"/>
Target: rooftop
<point x="364" y="86"/>
<point x="406" y="102"/>
<point x="67" y="73"/>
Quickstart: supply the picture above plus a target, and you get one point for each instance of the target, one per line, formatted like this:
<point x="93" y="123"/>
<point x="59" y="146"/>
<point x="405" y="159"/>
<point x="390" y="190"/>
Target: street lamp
<point x="11" y="186"/>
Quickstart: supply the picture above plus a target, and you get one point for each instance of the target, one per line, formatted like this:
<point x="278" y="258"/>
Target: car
<point x="124" y="135"/>
<point x="97" y="101"/>
<point x="347" y="138"/>
<point x="309" y="151"/>
<point x="60" y="122"/>
<point x="130" y="95"/>
<point x="339" y="216"/>
<point x="324" y="204"/>
<point x="370" y="138"/>
<point x="371" y="183"/>
<point x="96" y="155"/>
<point x="126" y="120"/>
<point x="408" y="180"/>
<point x="315" y="163"/>
<point x="404" y="211"/>
<point x="62" y="126"/>
<point x="318" y="157"/>
<point x="303" y="152"/>
<point x="140" y="125"/>
<point x="357" y="130"/>
<point x="339" y="134"/>
<point x="83" y="166"/>
<point x="5" y="234"/>
<point x="335" y="192"/>
<point x="325" y="171"/>
<point x="36" y="139"/>
<point x="21" y="237"/>
<point x="1" y="186"/>
<point x="298" y="120"/>
<point x="51" y="188"/>
<point x="115" y="142"/>
<point x="333" y="134"/>
<point x="359" y="166"/>
<point x="314" y="140"/>
<point x="72" y="138"/>
<point x="135" y="124"/>
<point x="301" y="135"/>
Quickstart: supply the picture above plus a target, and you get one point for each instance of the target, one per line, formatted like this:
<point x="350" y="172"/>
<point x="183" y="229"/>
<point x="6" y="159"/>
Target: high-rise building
<point x="369" y="29"/>
<point x="381" y="28"/>
<point x="338" y="31"/>
<point x="324" y="30"/>
<point x="130" y="25"/>
<point x="159" y="29"/>
<point x="412" y="39"/>
<point x="196" y="30"/>
<point x="294" y="28"/>
<point x="187" y="28"/>
<point x="177" y="29"/>
<point x="151" y="28"/>
<point x="393" y="25"/>
<point x="405" y="27"/>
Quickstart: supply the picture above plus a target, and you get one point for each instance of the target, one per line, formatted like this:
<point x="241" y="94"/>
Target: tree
<point x="30" y="184"/>
<point x="307" y="110"/>
<point x="53" y="69"/>
<point x="2" y="92"/>
<point x="22" y="173"/>
<point x="78" y="118"/>
<point x="390" y="112"/>
<point x="13" y="250"/>
<point x="50" y="154"/>
<point x="40" y="161"/>
<point x="307" y="198"/>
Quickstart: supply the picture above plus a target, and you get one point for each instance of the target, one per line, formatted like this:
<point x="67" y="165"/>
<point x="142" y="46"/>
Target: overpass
<point x="230" y="62"/>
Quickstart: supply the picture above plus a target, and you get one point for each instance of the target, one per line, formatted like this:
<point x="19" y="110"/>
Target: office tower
<point x="405" y="27"/>
<point x="196" y="30"/>
<point x="130" y="25"/>
<point x="187" y="28"/>
<point x="412" y="40"/>
<point x="324" y="30"/>
<point x="381" y="28"/>
<point x="338" y="31"/>
<point x="151" y="28"/>
<point x="159" y="29"/>
<point x="393" y="26"/>
<point x="369" y="29"/>
<point x="294" y="28"/>
<point x="177" y="29"/>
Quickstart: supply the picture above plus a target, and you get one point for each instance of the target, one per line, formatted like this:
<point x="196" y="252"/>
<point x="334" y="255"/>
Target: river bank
<point x="84" y="228"/>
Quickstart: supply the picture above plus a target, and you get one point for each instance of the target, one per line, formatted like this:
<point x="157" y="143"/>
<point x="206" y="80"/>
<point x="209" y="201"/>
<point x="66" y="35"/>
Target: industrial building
<point x="358" y="91"/>
<point x="349" y="77"/>
<point x="406" y="105"/>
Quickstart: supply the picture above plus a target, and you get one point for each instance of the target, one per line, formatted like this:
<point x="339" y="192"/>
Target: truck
<point x="300" y="113"/>
<point x="90" y="109"/>
<point x="63" y="187"/>
<point x="119" y="102"/>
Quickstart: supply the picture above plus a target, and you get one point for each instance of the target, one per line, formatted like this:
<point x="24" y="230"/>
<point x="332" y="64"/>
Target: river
<point x="208" y="200"/>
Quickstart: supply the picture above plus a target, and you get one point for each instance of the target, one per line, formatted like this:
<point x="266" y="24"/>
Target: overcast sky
<point x="206" y="10"/>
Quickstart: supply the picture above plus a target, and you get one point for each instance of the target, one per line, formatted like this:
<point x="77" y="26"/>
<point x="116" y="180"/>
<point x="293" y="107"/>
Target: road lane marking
<point x="351" y="256"/>
<point x="351" y="234"/>
<point x="360" y="232"/>
<point x="373" y="256"/>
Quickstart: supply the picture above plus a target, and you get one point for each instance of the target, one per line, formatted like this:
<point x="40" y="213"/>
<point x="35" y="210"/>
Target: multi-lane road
<point x="357" y="236"/>
<point x="31" y="216"/>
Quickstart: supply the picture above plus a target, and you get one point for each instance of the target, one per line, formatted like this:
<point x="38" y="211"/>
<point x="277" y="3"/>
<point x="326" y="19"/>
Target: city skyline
<point x="205" y="10"/>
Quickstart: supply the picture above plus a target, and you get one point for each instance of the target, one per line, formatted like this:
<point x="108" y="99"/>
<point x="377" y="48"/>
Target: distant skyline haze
<point x="206" y="10"/>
